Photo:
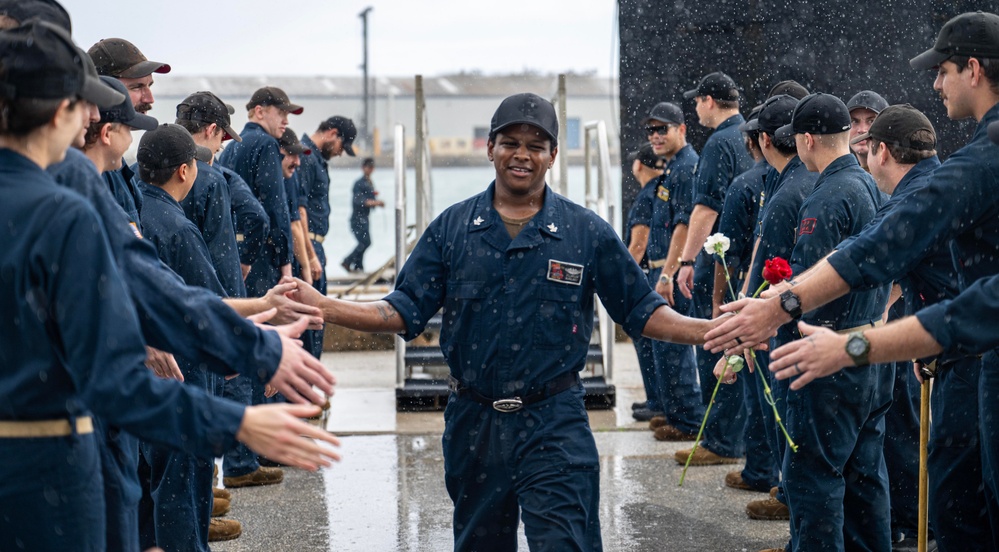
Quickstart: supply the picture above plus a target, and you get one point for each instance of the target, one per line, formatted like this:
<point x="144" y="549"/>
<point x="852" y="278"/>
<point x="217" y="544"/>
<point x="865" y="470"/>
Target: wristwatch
<point x="665" y="278"/>
<point x="685" y="263"/>
<point x="858" y="347"/>
<point x="791" y="303"/>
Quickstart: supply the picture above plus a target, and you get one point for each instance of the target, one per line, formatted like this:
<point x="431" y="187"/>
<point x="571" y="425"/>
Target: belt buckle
<point x="512" y="404"/>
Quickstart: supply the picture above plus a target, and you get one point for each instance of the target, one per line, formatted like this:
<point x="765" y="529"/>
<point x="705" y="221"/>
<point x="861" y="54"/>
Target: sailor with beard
<point x="119" y="58"/>
<point x="334" y="137"/>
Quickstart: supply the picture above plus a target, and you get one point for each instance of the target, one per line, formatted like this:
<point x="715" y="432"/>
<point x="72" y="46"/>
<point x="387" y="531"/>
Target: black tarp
<point x="833" y="46"/>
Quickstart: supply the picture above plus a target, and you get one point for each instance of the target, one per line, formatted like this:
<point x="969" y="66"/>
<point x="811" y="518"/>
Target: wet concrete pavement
<point x="388" y="492"/>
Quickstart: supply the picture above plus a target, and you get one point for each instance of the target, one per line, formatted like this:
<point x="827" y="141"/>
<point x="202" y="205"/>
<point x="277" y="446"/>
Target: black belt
<point x="551" y="388"/>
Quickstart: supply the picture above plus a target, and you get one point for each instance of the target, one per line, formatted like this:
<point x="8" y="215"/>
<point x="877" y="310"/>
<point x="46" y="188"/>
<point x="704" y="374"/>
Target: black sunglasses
<point x="661" y="130"/>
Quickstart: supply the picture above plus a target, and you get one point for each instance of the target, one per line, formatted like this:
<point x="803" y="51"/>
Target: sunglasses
<point x="661" y="130"/>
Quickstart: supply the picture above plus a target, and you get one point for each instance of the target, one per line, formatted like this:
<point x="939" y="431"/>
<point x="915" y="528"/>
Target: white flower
<point x="735" y="364"/>
<point x="717" y="244"/>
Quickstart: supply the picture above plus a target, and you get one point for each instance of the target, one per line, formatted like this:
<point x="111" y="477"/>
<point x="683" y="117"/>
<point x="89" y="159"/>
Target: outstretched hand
<point x="275" y="431"/>
<point x="298" y="370"/>
<point x="282" y="298"/>
<point x="819" y="353"/>
<point x="754" y="323"/>
<point x="163" y="364"/>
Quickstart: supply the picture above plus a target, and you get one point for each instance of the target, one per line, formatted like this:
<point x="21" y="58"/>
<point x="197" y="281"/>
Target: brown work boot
<point x="768" y="509"/>
<point x="657" y="422"/>
<point x="670" y="433"/>
<point x="223" y="529"/>
<point x="220" y="507"/>
<point x="703" y="457"/>
<point x="221" y="493"/>
<point x="734" y="480"/>
<point x="262" y="476"/>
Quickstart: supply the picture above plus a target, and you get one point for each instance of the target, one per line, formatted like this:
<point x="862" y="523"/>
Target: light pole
<point x="365" y="131"/>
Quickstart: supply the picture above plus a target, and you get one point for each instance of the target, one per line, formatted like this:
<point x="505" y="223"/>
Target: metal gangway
<point x="421" y="370"/>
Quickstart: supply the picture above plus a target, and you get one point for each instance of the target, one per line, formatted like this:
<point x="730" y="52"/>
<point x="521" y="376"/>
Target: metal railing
<point x="399" y="164"/>
<point x="600" y="200"/>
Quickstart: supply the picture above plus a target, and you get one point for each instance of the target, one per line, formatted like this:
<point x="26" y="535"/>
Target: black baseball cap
<point x="205" y="107"/>
<point x="718" y="85"/>
<point x="41" y="61"/>
<point x="49" y="11"/>
<point x="789" y="87"/>
<point x="896" y="124"/>
<point x="526" y="109"/>
<point x="817" y="114"/>
<point x="124" y="112"/>
<point x="345" y="129"/>
<point x="971" y="34"/>
<point x="167" y="146"/>
<point x="750" y="124"/>
<point x="120" y="58"/>
<point x="272" y="95"/>
<point x="777" y="111"/>
<point x="292" y="144"/>
<point x="666" y="112"/>
<point x="867" y="99"/>
<point x="647" y="156"/>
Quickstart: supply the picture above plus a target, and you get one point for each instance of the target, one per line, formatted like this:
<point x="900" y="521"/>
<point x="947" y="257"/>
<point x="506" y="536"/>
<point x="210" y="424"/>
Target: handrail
<point x="603" y="204"/>
<point x="399" y="163"/>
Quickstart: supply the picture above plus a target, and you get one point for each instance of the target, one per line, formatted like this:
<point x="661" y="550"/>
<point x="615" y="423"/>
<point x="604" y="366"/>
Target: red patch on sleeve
<point x="807" y="226"/>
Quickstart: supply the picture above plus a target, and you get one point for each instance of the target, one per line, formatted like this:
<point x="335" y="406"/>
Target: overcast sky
<point x="313" y="37"/>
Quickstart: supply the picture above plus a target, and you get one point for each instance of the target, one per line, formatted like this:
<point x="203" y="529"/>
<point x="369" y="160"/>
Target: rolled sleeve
<point x="966" y="323"/>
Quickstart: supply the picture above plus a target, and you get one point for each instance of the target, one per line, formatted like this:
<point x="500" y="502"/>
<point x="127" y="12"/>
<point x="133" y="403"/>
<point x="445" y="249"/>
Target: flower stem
<point x="769" y="397"/>
<point x="704" y="422"/>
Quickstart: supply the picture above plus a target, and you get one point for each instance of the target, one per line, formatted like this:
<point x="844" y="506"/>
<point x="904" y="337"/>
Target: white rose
<point x="717" y="244"/>
<point x="735" y="364"/>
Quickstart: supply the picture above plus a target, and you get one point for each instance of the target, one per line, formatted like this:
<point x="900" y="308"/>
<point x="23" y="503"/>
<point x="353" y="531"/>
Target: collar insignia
<point x="477" y="221"/>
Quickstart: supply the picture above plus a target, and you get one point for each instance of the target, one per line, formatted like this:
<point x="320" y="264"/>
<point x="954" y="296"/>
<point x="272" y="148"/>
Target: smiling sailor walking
<point x="515" y="269"/>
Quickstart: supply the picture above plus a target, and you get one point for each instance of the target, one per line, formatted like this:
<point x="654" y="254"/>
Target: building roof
<point x="457" y="85"/>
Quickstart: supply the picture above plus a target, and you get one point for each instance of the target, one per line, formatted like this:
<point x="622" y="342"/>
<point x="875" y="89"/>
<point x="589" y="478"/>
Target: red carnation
<point x="776" y="270"/>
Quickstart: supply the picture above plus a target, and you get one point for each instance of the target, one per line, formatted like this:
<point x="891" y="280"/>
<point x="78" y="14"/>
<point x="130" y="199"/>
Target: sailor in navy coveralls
<point x="515" y="270"/>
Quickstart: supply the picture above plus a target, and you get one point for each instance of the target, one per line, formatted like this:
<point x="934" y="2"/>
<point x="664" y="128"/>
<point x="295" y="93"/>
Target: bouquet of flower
<point x="775" y="271"/>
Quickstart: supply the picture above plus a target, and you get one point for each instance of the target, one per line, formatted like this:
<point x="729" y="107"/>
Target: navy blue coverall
<point x="251" y="228"/>
<point x="257" y="159"/>
<point x="60" y="366"/>
<point x="359" y="226"/>
<point x="675" y="364"/>
<point x="726" y="436"/>
<point x="173" y="317"/>
<point x="836" y="484"/>
<point x="517" y="315"/>
<point x="126" y="192"/>
<point x="640" y="214"/>
<point x="252" y="224"/>
<point x="176" y="516"/>
<point x="209" y="207"/>
<point x="314" y="183"/>
<point x="957" y="209"/>
<point x="783" y="194"/>
<point x="723" y="158"/>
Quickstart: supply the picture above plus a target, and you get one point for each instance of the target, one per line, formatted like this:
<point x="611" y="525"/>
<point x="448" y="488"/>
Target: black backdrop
<point x="833" y="46"/>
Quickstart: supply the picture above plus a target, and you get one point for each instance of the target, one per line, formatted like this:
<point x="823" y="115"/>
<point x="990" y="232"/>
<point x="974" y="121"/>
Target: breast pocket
<point x="559" y="322"/>
<point x="463" y="311"/>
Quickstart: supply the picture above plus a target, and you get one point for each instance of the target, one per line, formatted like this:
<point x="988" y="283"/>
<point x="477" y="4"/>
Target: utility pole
<point x="365" y="131"/>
